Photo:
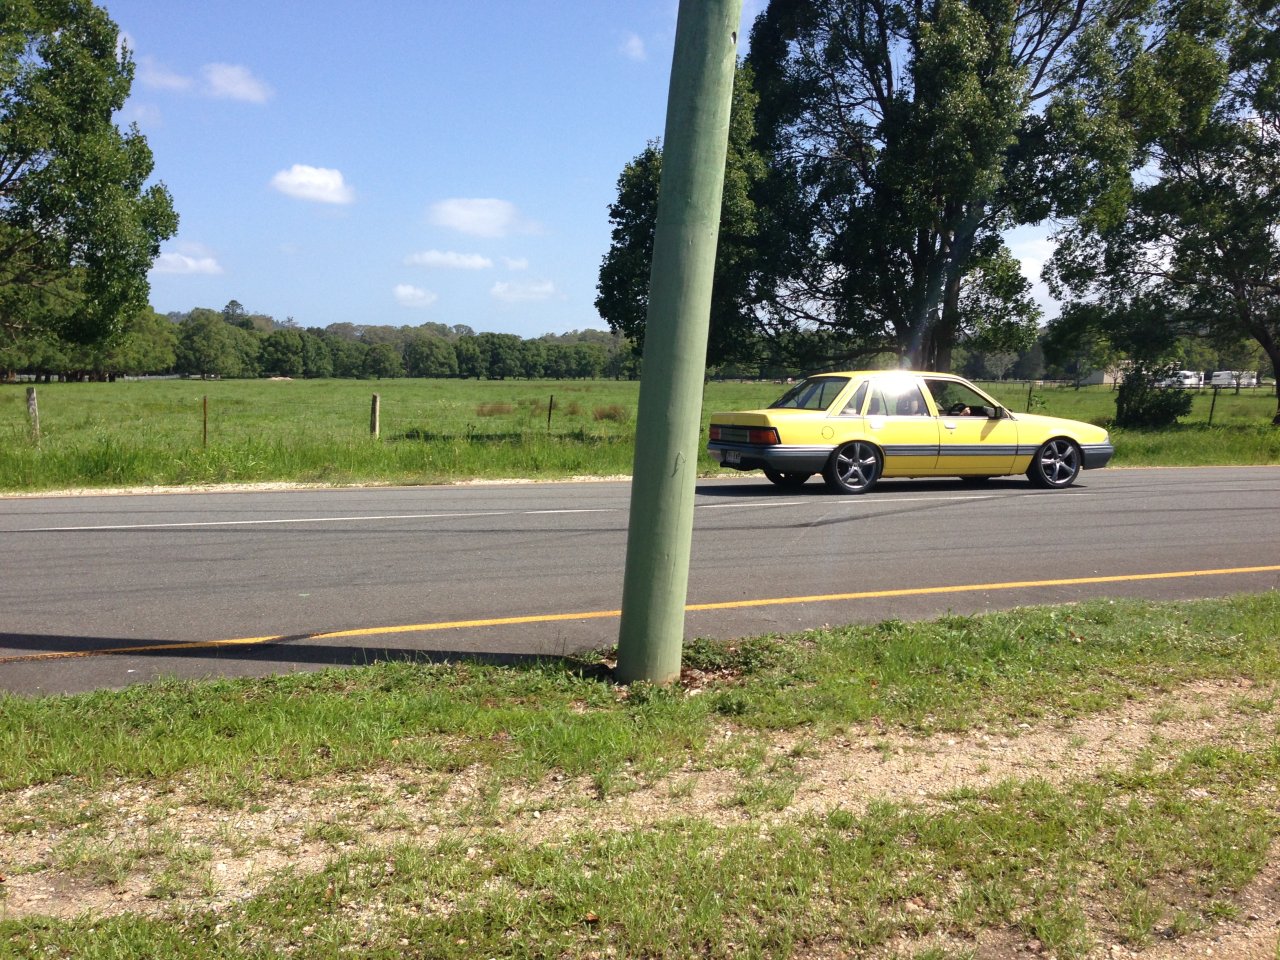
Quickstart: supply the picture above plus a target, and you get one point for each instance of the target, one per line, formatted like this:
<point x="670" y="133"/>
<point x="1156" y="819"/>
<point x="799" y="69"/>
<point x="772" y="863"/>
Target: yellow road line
<point x="608" y="614"/>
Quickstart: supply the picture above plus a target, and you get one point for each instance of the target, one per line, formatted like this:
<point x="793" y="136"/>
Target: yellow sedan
<point x="857" y="427"/>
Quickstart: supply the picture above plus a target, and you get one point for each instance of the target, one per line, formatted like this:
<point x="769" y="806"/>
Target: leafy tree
<point x="587" y="360"/>
<point x="348" y="356"/>
<point x="382" y="333"/>
<point x="207" y="347"/>
<point x="236" y="315"/>
<point x="247" y="347"/>
<point x="503" y="353"/>
<point x="282" y="353"/>
<point x="623" y="289"/>
<point x="904" y="138"/>
<point x="473" y="359"/>
<point x="32" y="351"/>
<point x="533" y="359"/>
<point x="558" y="361"/>
<point x="1194" y="237"/>
<point x="383" y="360"/>
<point x="430" y="355"/>
<point x="317" y="362"/>
<point x="343" y="330"/>
<point x="79" y="227"/>
<point x="148" y="345"/>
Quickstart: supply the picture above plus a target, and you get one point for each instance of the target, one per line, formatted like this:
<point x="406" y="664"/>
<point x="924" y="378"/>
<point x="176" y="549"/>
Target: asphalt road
<point x="103" y="591"/>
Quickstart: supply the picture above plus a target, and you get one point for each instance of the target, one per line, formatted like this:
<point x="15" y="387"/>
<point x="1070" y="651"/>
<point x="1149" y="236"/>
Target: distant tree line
<point x="235" y="343"/>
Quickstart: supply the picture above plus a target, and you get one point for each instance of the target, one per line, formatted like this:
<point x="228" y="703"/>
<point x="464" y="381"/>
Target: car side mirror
<point x="993" y="413"/>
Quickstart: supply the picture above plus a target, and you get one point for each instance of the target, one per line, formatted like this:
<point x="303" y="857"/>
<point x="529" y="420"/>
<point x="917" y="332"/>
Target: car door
<point x="975" y="438"/>
<point x="900" y="423"/>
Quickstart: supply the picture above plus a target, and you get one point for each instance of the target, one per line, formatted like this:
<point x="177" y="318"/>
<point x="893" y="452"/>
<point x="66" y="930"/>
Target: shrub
<point x="1140" y="403"/>
<point x="494" y="409"/>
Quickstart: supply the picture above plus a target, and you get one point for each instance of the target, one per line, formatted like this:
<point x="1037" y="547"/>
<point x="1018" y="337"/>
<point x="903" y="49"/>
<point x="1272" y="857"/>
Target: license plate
<point x="732" y="456"/>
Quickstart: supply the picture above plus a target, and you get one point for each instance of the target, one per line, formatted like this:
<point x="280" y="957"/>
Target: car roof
<point x="881" y="373"/>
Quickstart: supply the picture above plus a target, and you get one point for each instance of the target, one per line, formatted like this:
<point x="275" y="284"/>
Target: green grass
<point x="1152" y="848"/>
<point x="943" y="675"/>
<point x="152" y="433"/>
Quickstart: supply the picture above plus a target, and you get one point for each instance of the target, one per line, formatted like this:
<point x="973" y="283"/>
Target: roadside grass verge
<point x="434" y="431"/>
<point x="943" y="675"/>
<point x="1150" y="846"/>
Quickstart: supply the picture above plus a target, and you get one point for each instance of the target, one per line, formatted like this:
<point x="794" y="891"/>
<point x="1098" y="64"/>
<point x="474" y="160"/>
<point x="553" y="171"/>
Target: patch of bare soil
<point x="145" y="848"/>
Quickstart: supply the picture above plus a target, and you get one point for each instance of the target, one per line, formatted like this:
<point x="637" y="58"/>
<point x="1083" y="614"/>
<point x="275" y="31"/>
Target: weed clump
<point x="614" y="412"/>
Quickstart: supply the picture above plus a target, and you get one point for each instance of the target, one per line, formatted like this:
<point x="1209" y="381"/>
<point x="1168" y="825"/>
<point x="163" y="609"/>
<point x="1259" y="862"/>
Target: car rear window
<point x="815" y="393"/>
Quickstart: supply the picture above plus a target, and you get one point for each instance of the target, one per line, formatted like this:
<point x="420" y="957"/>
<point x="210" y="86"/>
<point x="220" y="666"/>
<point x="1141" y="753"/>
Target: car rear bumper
<point x="780" y="457"/>
<point x="1096" y="455"/>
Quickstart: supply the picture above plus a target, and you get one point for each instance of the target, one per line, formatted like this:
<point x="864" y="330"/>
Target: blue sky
<point x="398" y="162"/>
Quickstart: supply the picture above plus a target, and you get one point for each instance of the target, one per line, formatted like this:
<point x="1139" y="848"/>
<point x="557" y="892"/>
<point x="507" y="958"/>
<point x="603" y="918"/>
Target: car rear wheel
<point x="853" y="468"/>
<point x="1056" y="464"/>
<point x="788" y="480"/>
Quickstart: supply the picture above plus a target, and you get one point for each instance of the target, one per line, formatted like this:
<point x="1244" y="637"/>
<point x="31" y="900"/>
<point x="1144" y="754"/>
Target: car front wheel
<point x="788" y="480"/>
<point x="853" y="468"/>
<point x="1055" y="465"/>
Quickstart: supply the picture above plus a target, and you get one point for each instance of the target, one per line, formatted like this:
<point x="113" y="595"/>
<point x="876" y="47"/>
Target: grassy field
<point x="1099" y="780"/>
<point x="432" y="431"/>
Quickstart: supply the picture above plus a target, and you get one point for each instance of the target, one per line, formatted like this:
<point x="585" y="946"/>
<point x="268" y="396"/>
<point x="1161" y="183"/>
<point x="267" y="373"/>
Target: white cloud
<point x="1033" y="247"/>
<point x="229" y="81"/>
<point x="181" y="263"/>
<point x="523" y="292"/>
<point x="408" y="295"/>
<point x="156" y="76"/>
<point x="633" y="48"/>
<point x="1032" y="251"/>
<point x="448" y="260"/>
<point x="313" y="183"/>
<point x="143" y="114"/>
<point x="485" y="217"/>
<point x="221" y="81"/>
<point x="516" y="263"/>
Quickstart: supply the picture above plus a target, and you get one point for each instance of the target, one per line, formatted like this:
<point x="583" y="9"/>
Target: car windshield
<point x="815" y="393"/>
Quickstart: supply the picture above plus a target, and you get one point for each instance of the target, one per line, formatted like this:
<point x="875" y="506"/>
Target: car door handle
<point x="949" y="426"/>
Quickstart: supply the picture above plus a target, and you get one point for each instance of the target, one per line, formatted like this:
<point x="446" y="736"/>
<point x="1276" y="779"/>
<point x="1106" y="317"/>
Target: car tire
<point x="853" y="467"/>
<point x="788" y="480"/>
<point x="1056" y="464"/>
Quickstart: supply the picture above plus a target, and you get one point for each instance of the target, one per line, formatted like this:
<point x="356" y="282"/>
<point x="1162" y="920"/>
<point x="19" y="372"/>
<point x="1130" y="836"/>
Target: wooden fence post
<point x="205" y="419"/>
<point x="551" y="405"/>
<point x="33" y="412"/>
<point x="375" y="426"/>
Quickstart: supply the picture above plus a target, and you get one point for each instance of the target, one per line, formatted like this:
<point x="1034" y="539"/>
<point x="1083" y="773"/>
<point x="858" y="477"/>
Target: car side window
<point x="957" y="399"/>
<point x="897" y="397"/>
<point x="854" y="406"/>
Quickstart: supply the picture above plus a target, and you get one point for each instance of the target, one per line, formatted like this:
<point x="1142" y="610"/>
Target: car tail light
<point x="758" y="436"/>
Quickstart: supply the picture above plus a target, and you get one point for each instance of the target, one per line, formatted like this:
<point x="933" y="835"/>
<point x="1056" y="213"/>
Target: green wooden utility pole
<point x="696" y="141"/>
